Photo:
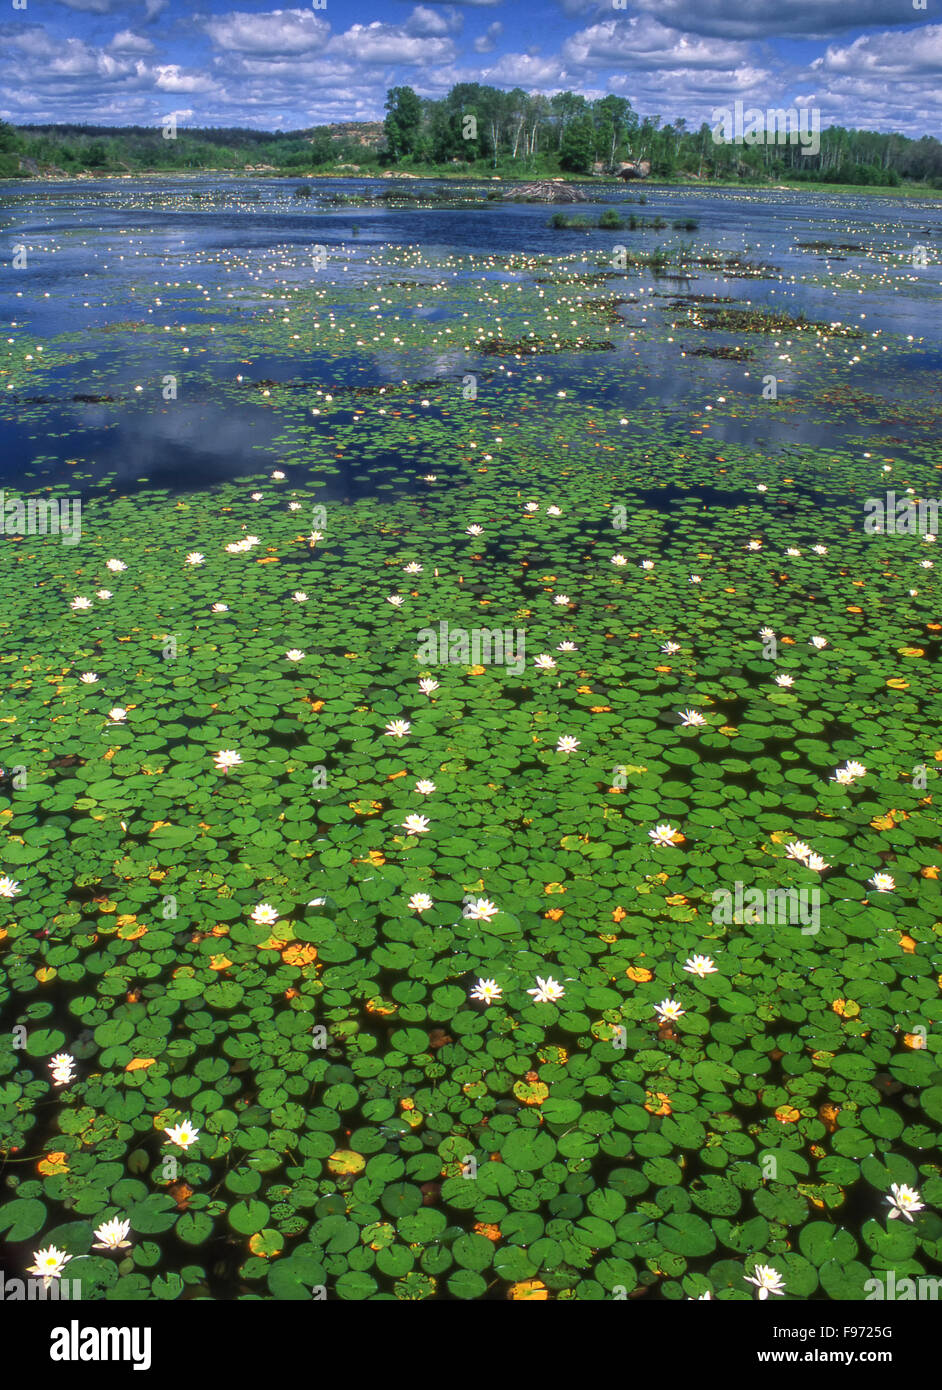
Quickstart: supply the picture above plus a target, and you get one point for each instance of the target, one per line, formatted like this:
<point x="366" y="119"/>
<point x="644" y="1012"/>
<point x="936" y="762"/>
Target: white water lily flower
<point x="111" y="1235"/>
<point x="647" y="564"/>
<point x="531" y="506"/>
<point x="844" y="776"/>
<point x="474" y="531"/>
<point x="855" y="769"/>
<point x="700" y="965"/>
<point x="398" y="728"/>
<point x="220" y="608"/>
<point x="554" y="511"/>
<point x="486" y="991"/>
<point x="797" y="849"/>
<point x="295" y="654"/>
<point x="544" y="662"/>
<point x="420" y="902"/>
<point x="662" y="834"/>
<point x="670" y="648"/>
<point x="819" y="642"/>
<point x="103" y="594"/>
<point x="567" y="744"/>
<point x="226" y="758"/>
<point x="669" y="1010"/>
<point x="784" y="681"/>
<point x="619" y="559"/>
<point x="314" y="537"/>
<point x="480" y="910"/>
<point x="424" y="787"/>
<point x="299" y="596"/>
<point x="278" y="475"/>
<point x="883" y="883"/>
<point x="412" y="568"/>
<point x="116" y="566"/>
<point x="817" y="862"/>
<point x="695" y="579"/>
<point x="117" y="715"/>
<point x="195" y="558"/>
<point x="561" y="600"/>
<point x="49" y="1263"/>
<point x="904" y="1200"/>
<point x="80" y="603"/>
<point x="767" y="1280"/>
<point x="397" y="600"/>
<point x="9" y="887"/>
<point x="754" y="545"/>
<point x="264" y="915"/>
<point x="183" y="1134"/>
<point x="820" y="549"/>
<point x="792" y="551"/>
<point x="691" y="718"/>
<point x="416" y="825"/>
<point x="766" y="633"/>
<point x="547" y="991"/>
<point x="427" y="685"/>
<point x="567" y="647"/>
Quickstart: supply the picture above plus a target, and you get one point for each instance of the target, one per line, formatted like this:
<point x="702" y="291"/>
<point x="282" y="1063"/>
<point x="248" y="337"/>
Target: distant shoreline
<point x="600" y="182"/>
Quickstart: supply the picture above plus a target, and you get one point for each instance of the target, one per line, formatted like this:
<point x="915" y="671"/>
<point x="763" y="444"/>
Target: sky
<point x="867" y="63"/>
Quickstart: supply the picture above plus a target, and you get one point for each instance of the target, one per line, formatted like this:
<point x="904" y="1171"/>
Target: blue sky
<point x="873" y="63"/>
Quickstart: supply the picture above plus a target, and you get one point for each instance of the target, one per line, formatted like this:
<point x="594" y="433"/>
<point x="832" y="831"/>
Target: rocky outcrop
<point x="634" y="170"/>
<point x="41" y="171"/>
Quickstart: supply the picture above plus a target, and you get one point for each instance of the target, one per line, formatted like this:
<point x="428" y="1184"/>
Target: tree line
<point x="568" y="132"/>
<point x="481" y="129"/>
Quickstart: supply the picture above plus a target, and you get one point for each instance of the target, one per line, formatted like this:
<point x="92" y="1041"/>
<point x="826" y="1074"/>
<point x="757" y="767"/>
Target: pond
<point x="427" y="950"/>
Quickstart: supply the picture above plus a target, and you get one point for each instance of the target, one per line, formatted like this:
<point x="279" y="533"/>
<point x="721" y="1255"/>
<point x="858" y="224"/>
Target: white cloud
<point x="800" y="18"/>
<point x="91" y="6"/>
<point x="387" y="43"/>
<point x="527" y="70"/>
<point x="487" y="42"/>
<point x="128" y="42"/>
<point x="170" y="77"/>
<point x="428" y="22"/>
<point x="641" y="42"/>
<point x="280" y="31"/>
<point x="892" y="55"/>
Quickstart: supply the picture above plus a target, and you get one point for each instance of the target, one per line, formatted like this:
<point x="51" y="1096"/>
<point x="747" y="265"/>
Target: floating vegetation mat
<point x="491" y="847"/>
